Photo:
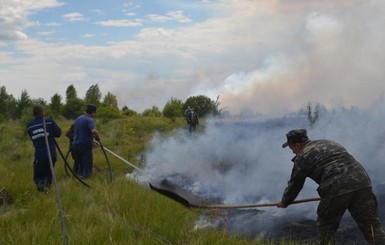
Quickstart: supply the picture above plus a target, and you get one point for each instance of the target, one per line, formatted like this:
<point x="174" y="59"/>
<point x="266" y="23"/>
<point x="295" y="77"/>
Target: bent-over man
<point x="343" y="185"/>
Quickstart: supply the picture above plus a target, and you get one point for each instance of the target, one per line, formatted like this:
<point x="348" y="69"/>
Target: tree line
<point x="72" y="106"/>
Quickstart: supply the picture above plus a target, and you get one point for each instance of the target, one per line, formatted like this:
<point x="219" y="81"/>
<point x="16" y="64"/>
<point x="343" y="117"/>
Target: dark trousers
<point x="362" y="205"/>
<point x="75" y="167"/>
<point x="84" y="159"/>
<point x="192" y="128"/>
<point x="42" y="175"/>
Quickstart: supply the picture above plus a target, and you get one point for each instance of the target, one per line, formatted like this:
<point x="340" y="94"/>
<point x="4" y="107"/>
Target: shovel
<point x="190" y="200"/>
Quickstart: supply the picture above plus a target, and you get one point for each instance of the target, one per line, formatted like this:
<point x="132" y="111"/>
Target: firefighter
<point x="84" y="133"/>
<point x="343" y="185"/>
<point x="191" y="119"/>
<point x="42" y="174"/>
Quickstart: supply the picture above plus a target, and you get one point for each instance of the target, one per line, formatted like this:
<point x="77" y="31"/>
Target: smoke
<point x="318" y="52"/>
<point x="302" y="52"/>
<point x="244" y="159"/>
<point x="241" y="160"/>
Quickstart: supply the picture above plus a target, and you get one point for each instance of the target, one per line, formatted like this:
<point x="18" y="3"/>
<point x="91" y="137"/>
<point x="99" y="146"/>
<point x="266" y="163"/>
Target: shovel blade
<point x="176" y="193"/>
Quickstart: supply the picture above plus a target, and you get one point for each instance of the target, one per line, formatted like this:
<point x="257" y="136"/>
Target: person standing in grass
<point x="343" y="185"/>
<point x="84" y="133"/>
<point x="191" y="119"/>
<point x="42" y="174"/>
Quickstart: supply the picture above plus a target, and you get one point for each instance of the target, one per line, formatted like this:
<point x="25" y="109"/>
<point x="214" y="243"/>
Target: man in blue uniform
<point x="84" y="133"/>
<point x="41" y="166"/>
<point x="343" y="185"/>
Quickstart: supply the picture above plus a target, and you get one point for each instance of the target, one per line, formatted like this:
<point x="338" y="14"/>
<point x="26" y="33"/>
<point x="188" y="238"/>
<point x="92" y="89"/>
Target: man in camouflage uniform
<point x="191" y="118"/>
<point x="343" y="185"/>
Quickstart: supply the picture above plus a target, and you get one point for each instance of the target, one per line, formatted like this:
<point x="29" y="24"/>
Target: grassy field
<point x="117" y="212"/>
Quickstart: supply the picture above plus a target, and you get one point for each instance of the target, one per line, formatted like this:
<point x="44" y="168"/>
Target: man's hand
<point x="281" y="205"/>
<point x="96" y="134"/>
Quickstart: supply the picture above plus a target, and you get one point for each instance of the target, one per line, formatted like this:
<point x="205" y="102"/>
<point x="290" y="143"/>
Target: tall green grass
<point x="118" y="212"/>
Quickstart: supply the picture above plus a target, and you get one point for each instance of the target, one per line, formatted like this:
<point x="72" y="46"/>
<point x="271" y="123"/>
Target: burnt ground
<point x="258" y="224"/>
<point x="270" y="224"/>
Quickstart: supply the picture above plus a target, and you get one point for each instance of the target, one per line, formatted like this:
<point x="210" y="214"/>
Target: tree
<point x="110" y="100"/>
<point x="93" y="95"/>
<point x="71" y="93"/>
<point x="74" y="106"/>
<point x="109" y="107"/>
<point x="56" y="105"/>
<point x="153" y="112"/>
<point x="3" y="101"/>
<point x="173" y="109"/>
<point x="7" y="103"/>
<point x="108" y="113"/>
<point x="38" y="101"/>
<point x="128" y="112"/>
<point x="202" y="105"/>
<point x="23" y="103"/>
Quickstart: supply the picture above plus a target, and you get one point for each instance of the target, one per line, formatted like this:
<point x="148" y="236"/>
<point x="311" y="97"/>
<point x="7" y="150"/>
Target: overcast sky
<point x="265" y="56"/>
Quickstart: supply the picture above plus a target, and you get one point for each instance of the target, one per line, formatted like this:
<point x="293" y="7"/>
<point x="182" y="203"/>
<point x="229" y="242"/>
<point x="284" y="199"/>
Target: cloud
<point x="14" y="17"/>
<point x="157" y="18"/>
<point x="98" y="11"/>
<point x="131" y="14"/>
<point x="177" y="16"/>
<point x="88" y="35"/>
<point x="268" y="56"/>
<point x="74" y="16"/>
<point x="121" y="23"/>
<point x="46" y="33"/>
<point x="52" y="24"/>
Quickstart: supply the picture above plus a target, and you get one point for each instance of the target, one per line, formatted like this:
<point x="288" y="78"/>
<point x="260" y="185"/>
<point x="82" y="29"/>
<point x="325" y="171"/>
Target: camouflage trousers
<point x="362" y="205"/>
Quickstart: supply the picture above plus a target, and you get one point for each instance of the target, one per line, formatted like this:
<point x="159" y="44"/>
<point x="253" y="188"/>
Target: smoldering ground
<point x="241" y="161"/>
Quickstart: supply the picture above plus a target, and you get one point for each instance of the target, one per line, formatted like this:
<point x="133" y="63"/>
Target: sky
<point x="264" y="56"/>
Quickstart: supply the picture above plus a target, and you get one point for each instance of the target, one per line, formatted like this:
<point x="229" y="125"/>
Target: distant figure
<point x="343" y="185"/>
<point x="42" y="175"/>
<point x="84" y="133"/>
<point x="191" y="118"/>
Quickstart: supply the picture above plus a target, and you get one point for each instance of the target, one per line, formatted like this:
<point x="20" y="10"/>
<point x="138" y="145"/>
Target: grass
<point x="118" y="212"/>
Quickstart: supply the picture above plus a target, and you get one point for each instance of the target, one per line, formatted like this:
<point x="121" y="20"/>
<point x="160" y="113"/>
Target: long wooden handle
<point x="253" y="205"/>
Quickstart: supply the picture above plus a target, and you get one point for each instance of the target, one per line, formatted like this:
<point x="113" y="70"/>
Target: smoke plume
<point x="241" y="160"/>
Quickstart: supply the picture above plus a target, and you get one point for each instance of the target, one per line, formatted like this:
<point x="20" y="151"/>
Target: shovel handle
<point x="253" y="205"/>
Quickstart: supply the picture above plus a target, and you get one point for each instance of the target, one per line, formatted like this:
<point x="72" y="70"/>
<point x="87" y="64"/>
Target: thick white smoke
<point x="242" y="162"/>
<point x="309" y="51"/>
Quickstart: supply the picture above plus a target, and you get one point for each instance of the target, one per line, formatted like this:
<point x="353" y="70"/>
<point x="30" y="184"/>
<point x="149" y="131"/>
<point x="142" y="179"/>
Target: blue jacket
<point x="37" y="135"/>
<point x="83" y="127"/>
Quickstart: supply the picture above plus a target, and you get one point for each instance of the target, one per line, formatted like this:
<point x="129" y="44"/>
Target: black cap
<point x="91" y="108"/>
<point x="296" y="136"/>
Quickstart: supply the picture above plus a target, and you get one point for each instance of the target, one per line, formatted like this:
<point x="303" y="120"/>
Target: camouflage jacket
<point x="330" y="166"/>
